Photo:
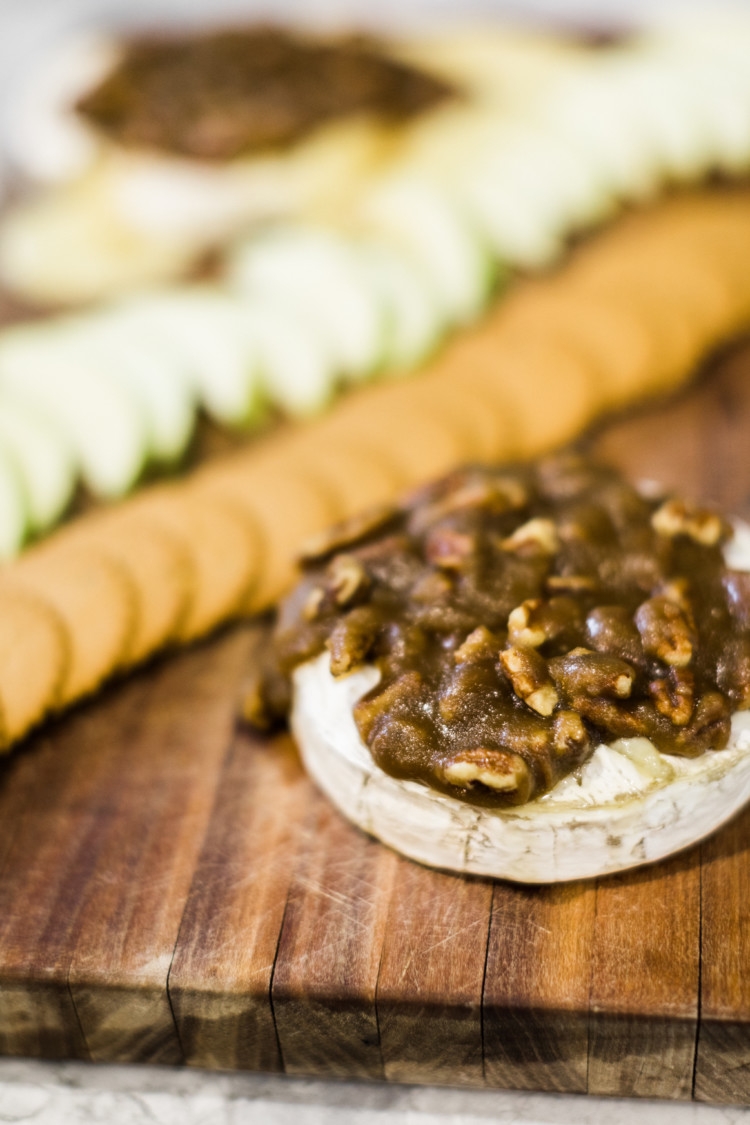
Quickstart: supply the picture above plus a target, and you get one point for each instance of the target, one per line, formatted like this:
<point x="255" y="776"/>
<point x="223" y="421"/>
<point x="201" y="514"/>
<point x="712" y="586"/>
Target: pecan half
<point x="530" y="679"/>
<point x="610" y="629"/>
<point x="448" y="548"/>
<point x="481" y="644"/>
<point x="674" y="695"/>
<point x="538" y="534"/>
<point x="677" y="517"/>
<point x="500" y="770"/>
<point x="569" y="736"/>
<point x="665" y="631"/>
<point x="352" y="638"/>
<point x="346" y="579"/>
<point x="592" y="674"/>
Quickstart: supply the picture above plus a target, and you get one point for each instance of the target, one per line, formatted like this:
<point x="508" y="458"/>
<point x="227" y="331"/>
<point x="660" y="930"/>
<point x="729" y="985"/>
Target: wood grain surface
<point x="174" y="890"/>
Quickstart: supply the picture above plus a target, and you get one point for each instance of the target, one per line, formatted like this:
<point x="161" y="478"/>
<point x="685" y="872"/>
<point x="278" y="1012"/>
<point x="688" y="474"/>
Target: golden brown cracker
<point x="354" y="473"/>
<point x="608" y="336"/>
<point x="161" y="569"/>
<point x="397" y="419"/>
<point x="286" y="507"/>
<point x="92" y="595"/>
<point x="224" y="551"/>
<point x="486" y="425"/>
<point x="550" y="394"/>
<point x="34" y="661"/>
<point x="677" y="265"/>
<point x="681" y="302"/>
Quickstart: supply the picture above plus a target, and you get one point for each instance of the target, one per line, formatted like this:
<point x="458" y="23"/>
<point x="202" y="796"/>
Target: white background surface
<point x="68" y="1093"/>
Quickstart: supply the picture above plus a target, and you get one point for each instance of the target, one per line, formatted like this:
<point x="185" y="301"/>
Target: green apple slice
<point x="296" y="370"/>
<point x="99" y="418"/>
<point x="13" y="505"/>
<point x="722" y="91"/>
<point x="587" y="115"/>
<point x="413" y="317"/>
<point x="423" y="220"/>
<point x="202" y="330"/>
<point x="144" y="367"/>
<point x="508" y="217"/>
<point x="653" y="104"/>
<point x="43" y="457"/>
<point x="316" y="273"/>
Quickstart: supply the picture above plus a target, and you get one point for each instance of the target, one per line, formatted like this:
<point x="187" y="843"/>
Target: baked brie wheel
<point x="536" y="673"/>
<point x="628" y="805"/>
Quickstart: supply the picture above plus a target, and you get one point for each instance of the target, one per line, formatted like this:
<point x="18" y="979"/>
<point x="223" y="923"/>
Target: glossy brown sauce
<point x="519" y="617"/>
<point x="225" y="94"/>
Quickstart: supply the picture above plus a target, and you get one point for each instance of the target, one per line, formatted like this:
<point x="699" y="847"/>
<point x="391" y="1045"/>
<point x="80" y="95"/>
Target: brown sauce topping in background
<point x="519" y="617"/>
<point x="225" y="94"/>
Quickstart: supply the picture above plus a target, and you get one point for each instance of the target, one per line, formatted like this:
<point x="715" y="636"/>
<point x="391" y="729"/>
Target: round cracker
<point x="551" y="395"/>
<point x="608" y="336"/>
<point x="160" y="567"/>
<point x="397" y="421"/>
<point x="489" y="427"/>
<point x="672" y="284"/>
<point x="284" y="504"/>
<point x="93" y="596"/>
<point x="34" y="661"/>
<point x="352" y="471"/>
<point x="223" y="546"/>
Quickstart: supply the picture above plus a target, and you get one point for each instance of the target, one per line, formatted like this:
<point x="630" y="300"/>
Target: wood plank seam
<point x="700" y="974"/>
<point x="209" y="820"/>
<point x="270" y="983"/>
<point x="377" y="1012"/>
<point x="484" y="986"/>
<point x="76" y="1013"/>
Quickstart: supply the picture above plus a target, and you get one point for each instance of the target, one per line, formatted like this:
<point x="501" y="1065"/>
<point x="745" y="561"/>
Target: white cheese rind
<point x="619" y="816"/>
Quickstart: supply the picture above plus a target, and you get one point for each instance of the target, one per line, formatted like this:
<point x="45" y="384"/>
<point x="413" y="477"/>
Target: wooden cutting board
<point x="173" y="890"/>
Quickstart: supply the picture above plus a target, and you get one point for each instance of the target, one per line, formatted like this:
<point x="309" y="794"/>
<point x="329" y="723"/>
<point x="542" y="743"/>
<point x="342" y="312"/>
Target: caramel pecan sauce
<point x="219" y="95"/>
<point x="519" y="617"/>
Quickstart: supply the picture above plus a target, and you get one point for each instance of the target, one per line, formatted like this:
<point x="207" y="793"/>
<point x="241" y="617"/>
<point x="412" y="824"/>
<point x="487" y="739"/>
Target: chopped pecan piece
<point x="610" y="629"/>
<point x="665" y="631"/>
<point x="500" y="770"/>
<point x="480" y="644"/>
<point x="591" y="674"/>
<point x="676" y="517"/>
<point x="539" y="620"/>
<point x="569" y="736"/>
<point x="523" y="629"/>
<point x="527" y="672"/>
<point x="352" y="638"/>
<point x="709" y="726"/>
<point x="347" y="579"/>
<point x="449" y="549"/>
<point x="538" y="534"/>
<point x="313" y="603"/>
<point x="674" y="695"/>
